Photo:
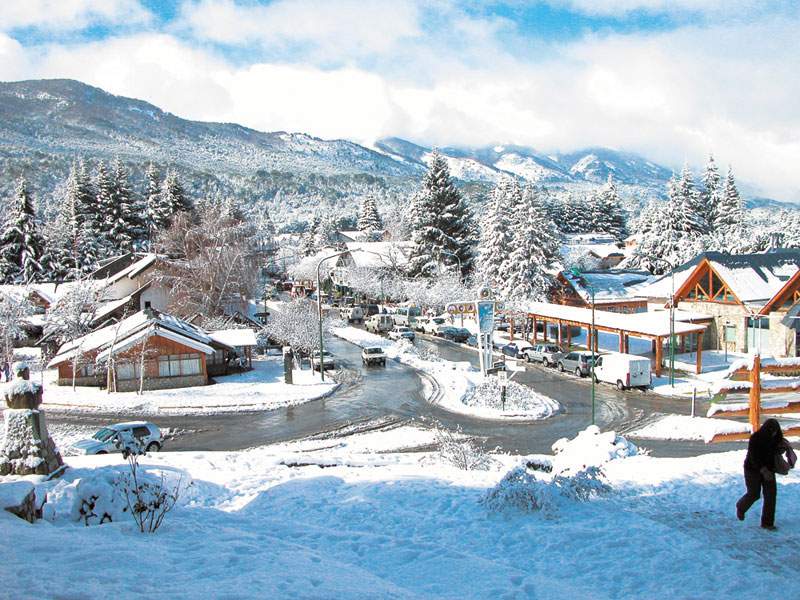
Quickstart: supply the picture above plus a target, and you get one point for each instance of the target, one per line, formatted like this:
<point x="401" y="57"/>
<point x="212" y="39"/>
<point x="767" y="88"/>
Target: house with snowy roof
<point x="752" y="299"/>
<point x="615" y="290"/>
<point x="129" y="284"/>
<point x="149" y="347"/>
<point x="601" y="247"/>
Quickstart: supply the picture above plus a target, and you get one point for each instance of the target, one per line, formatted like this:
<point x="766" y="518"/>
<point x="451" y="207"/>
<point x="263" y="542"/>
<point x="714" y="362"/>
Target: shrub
<point x="460" y="451"/>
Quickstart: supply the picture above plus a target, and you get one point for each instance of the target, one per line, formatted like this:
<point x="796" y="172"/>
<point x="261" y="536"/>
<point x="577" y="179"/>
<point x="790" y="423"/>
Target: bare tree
<point x="296" y="324"/>
<point x="209" y="261"/>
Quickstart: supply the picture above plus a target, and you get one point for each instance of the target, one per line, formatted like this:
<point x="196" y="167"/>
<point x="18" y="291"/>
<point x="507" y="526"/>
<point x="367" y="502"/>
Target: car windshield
<point x="438" y="321"/>
<point x="373" y="350"/>
<point x="104" y="434"/>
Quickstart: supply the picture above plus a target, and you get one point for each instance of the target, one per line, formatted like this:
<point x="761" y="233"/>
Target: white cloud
<point x="343" y="28"/>
<point x="622" y="7"/>
<point x="65" y="15"/>
<point x="672" y="96"/>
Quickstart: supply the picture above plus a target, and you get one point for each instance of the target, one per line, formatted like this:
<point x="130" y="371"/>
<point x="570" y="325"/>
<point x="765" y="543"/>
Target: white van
<point x="379" y="323"/>
<point x="623" y="370"/>
<point x="407" y="316"/>
<point x="353" y="314"/>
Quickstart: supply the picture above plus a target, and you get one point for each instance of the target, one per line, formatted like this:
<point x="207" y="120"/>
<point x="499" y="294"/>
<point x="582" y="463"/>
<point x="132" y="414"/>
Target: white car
<point x="103" y="442"/>
<point x="373" y="355"/>
<point x="434" y="324"/>
<point x="328" y="361"/>
<point x="401" y="332"/>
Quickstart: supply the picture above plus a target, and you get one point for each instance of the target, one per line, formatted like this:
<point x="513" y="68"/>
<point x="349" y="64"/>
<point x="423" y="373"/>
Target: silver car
<point x="547" y="354"/>
<point x="579" y="363"/>
<point x="104" y="441"/>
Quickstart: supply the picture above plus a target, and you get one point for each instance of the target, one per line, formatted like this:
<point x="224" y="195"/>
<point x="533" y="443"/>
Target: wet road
<point x="396" y="392"/>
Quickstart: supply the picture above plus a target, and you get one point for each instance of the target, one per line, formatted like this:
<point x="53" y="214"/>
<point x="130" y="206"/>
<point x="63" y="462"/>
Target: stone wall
<point x="161" y="383"/>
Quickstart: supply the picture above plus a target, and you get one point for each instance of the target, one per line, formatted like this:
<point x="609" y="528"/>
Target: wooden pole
<point x="755" y="394"/>
<point x="544" y="331"/>
<point x="535" y="335"/>
<point x="699" y="365"/>
<point x="569" y="337"/>
<point x="622" y="341"/>
<point x="558" y="324"/>
<point x="659" y="350"/>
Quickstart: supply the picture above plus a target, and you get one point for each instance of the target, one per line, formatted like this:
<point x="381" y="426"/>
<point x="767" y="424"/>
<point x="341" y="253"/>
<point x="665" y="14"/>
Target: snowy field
<point x="260" y="389"/>
<point x="461" y="388"/>
<point x="271" y="523"/>
<point x="683" y="427"/>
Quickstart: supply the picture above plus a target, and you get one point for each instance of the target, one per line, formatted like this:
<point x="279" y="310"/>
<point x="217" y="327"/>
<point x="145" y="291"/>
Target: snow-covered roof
<point x="656" y="323"/>
<point x="355" y="236"/>
<point x="599" y="249"/>
<point x="753" y="278"/>
<point x="378" y="254"/>
<point x="234" y="337"/>
<point x="136" y="264"/>
<point x="127" y="332"/>
<point x="609" y="286"/>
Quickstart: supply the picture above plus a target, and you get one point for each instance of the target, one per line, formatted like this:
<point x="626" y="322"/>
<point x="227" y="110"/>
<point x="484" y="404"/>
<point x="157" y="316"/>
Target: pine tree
<point x="712" y="192"/>
<point x="308" y="243"/>
<point x="173" y="196"/>
<point x="325" y="233"/>
<point x="125" y="225"/>
<point x="442" y="224"/>
<point x="369" y="219"/>
<point x="88" y="244"/>
<point x="534" y="250"/>
<point x="156" y="217"/>
<point x="105" y="209"/>
<point x="693" y="218"/>
<point x="21" y="245"/>
<point x="730" y="210"/>
<point x="496" y="235"/>
<point x="611" y="217"/>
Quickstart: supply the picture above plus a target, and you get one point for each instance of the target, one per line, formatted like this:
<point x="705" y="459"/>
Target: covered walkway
<point x="654" y="326"/>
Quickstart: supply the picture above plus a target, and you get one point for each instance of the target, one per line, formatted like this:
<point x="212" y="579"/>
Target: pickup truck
<point x="373" y="355"/>
<point x="547" y="354"/>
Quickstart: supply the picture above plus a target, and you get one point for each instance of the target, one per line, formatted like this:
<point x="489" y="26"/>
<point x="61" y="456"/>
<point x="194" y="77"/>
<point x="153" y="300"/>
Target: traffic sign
<point x="460" y="308"/>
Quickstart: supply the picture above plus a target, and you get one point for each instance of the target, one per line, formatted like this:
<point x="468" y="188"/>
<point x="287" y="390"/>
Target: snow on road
<point x="258" y="524"/>
<point x="461" y="386"/>
<point x="262" y="388"/>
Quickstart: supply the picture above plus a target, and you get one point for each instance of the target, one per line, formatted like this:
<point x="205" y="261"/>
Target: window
<point x="140" y="432"/>
<point x="86" y="371"/>
<point x="148" y="304"/>
<point x="758" y="323"/>
<point x="176" y="365"/>
<point x="128" y="371"/>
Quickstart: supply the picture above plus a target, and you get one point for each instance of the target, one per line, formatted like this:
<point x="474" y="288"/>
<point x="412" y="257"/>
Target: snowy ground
<point x="461" y="387"/>
<point x="271" y="523"/>
<point x="683" y="427"/>
<point x="260" y="389"/>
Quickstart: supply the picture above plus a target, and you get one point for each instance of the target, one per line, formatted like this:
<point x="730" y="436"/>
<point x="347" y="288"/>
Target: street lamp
<point x="576" y="272"/>
<point x="671" y="319"/>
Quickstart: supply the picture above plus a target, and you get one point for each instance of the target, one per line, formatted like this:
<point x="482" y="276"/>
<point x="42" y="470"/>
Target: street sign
<point x="460" y="308"/>
<point x="486" y="317"/>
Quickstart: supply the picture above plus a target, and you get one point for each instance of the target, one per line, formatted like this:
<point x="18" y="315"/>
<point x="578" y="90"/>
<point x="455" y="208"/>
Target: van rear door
<point x="640" y="372"/>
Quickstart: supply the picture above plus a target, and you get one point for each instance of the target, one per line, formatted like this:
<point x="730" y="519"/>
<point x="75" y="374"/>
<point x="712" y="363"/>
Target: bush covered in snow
<point x="527" y="491"/>
<point x="462" y="452"/>
<point x="520" y="398"/>
<point x="590" y="448"/>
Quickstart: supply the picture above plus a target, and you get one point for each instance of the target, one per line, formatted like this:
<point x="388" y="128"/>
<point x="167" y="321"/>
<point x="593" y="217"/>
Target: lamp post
<point x="671" y="319"/>
<point x="319" y="313"/>
<point x="577" y="273"/>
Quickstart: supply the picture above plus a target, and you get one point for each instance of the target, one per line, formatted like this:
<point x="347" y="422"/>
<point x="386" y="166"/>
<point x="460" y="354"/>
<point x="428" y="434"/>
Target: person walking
<point x="7" y="371"/>
<point x="764" y="458"/>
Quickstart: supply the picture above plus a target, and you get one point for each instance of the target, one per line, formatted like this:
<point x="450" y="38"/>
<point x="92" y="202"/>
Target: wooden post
<point x="699" y="366"/>
<point x="535" y="335"/>
<point x="544" y="331"/>
<point x="622" y="341"/>
<point x="755" y="394"/>
<point x="596" y="341"/>
<point x="511" y="330"/>
<point x="569" y="336"/>
<point x="558" y="324"/>
<point x="659" y="351"/>
<point x="627" y="344"/>
<point x="588" y="338"/>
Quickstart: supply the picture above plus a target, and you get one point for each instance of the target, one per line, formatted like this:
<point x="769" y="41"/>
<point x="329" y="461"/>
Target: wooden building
<point x="615" y="290"/>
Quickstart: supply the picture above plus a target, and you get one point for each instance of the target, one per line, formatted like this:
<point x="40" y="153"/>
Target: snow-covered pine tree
<point x="325" y="234"/>
<point x="730" y="210"/>
<point x="693" y="220"/>
<point x="89" y="241"/>
<point x="369" y="219"/>
<point x="442" y="224"/>
<point x="173" y="196"/>
<point x="156" y="215"/>
<point x="534" y="251"/>
<point x="105" y="209"/>
<point x="711" y="193"/>
<point x="125" y="223"/>
<point x="496" y="235"/>
<point x="613" y="220"/>
<point x="308" y="243"/>
<point x="21" y="244"/>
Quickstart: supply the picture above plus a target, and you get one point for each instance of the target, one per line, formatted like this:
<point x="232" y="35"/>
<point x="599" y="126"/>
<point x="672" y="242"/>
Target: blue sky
<point x="670" y="79"/>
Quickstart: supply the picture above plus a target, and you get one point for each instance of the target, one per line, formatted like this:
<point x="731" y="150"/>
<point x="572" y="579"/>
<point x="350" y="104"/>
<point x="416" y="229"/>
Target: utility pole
<point x="576" y="272"/>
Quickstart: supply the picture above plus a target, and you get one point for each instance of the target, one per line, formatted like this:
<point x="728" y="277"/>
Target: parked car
<point x="102" y="442"/>
<point x="516" y="349"/>
<point x="472" y="341"/>
<point x="402" y="332"/>
<point x="547" y="354"/>
<point x="623" y="370"/>
<point x="454" y="334"/>
<point x="373" y="355"/>
<point x="407" y="315"/>
<point x="371" y="309"/>
<point x="433" y="325"/>
<point x="579" y="363"/>
<point x="353" y="314"/>
<point x="379" y="323"/>
<point x="328" y="361"/>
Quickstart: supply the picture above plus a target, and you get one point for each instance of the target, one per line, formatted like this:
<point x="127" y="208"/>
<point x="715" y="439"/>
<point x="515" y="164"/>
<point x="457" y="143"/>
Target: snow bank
<point x="682" y="427"/>
<point x="590" y="448"/>
<point x="461" y="388"/>
<point x="262" y="388"/>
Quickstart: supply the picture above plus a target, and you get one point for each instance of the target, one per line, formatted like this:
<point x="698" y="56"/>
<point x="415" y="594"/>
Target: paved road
<point x="396" y="392"/>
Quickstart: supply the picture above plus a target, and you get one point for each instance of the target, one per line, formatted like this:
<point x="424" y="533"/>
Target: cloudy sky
<point x="670" y="79"/>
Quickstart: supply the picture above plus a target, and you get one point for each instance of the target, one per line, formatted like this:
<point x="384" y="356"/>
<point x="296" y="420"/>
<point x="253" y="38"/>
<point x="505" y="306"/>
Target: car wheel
<point x="545" y="362"/>
<point x="620" y="386"/>
<point x="153" y="447"/>
<point x="578" y="372"/>
<point x="560" y="368"/>
<point x="102" y="452"/>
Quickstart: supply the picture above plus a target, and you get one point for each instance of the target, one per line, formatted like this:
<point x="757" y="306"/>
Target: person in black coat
<point x="759" y="472"/>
